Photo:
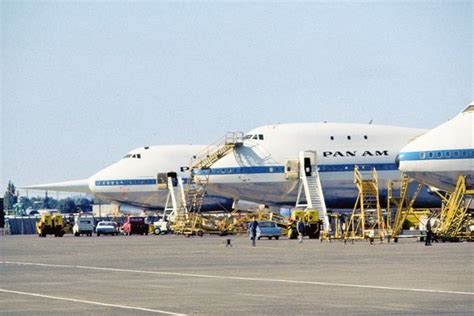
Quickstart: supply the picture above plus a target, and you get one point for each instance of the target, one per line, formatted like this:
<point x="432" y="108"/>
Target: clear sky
<point x="83" y="83"/>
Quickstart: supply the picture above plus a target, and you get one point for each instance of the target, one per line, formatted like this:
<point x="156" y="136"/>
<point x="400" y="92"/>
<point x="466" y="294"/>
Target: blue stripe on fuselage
<point x="450" y="154"/>
<point x="130" y="182"/>
<point x="281" y="169"/>
<point x="125" y="182"/>
<point x="251" y="170"/>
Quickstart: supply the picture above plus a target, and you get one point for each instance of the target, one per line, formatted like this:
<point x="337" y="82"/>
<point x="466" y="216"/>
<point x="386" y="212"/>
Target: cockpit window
<point x="139" y="156"/>
<point x="470" y="108"/>
<point x="256" y="136"/>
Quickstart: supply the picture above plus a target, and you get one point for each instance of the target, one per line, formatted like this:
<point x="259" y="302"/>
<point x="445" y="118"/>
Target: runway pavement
<point x="171" y="275"/>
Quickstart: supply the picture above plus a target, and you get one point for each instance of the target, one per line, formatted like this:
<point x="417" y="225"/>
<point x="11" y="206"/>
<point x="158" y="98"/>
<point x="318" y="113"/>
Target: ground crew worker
<point x="253" y="231"/>
<point x="300" y="228"/>
<point x="429" y="232"/>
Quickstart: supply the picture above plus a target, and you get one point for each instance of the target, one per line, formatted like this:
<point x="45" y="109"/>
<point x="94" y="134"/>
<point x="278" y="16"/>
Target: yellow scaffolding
<point x="366" y="219"/>
<point x="188" y="220"/>
<point x="454" y="216"/>
<point x="404" y="206"/>
<point x="337" y="231"/>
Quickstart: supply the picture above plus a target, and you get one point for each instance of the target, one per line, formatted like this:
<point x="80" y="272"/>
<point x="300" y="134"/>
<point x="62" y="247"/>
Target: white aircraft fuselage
<point x="444" y="153"/>
<point x="255" y="171"/>
<point x="132" y="181"/>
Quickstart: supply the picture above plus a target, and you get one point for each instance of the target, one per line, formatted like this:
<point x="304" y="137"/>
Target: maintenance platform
<point x="173" y="275"/>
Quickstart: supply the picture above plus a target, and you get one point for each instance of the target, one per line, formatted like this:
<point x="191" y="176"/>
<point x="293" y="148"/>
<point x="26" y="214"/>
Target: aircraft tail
<point x="79" y="186"/>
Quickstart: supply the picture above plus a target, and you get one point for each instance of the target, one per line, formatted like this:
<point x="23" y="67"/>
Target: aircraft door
<point x="307" y="166"/>
<point x="174" y="178"/>
<point x="292" y="169"/>
<point x="161" y="181"/>
<point x="308" y="161"/>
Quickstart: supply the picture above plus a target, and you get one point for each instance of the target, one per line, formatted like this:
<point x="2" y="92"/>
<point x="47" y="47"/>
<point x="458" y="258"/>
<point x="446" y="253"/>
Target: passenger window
<point x="439" y="154"/>
<point x="422" y="155"/>
<point x="365" y="137"/>
<point x="456" y="154"/>
<point x="430" y="155"/>
<point x="332" y="137"/>
<point x="348" y="137"/>
<point x="448" y="154"/>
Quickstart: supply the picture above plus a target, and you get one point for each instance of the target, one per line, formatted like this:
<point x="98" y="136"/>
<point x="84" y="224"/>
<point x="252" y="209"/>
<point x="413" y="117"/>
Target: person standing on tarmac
<point x="300" y="228"/>
<point x="429" y="232"/>
<point x="253" y="231"/>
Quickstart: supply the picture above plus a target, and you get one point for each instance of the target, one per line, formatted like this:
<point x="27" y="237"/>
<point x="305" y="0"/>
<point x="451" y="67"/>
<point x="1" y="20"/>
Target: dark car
<point x="135" y="225"/>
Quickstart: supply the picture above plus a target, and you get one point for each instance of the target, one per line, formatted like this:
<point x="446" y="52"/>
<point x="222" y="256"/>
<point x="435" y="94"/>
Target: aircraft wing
<point x="79" y="186"/>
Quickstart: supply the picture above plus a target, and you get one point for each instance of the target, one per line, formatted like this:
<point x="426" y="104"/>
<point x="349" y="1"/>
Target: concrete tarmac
<point x="172" y="275"/>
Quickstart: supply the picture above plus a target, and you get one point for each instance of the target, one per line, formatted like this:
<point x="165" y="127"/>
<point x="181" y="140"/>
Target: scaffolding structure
<point x="189" y="220"/>
<point x="404" y="205"/>
<point x="366" y="220"/>
<point x="455" y="216"/>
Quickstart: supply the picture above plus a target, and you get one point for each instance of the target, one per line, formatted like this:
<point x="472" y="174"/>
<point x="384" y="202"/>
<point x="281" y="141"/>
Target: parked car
<point x="268" y="229"/>
<point x="83" y="225"/>
<point x="106" y="228"/>
<point x="135" y="225"/>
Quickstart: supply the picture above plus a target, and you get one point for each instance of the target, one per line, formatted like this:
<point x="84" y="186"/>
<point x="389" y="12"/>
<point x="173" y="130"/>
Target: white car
<point x="106" y="228"/>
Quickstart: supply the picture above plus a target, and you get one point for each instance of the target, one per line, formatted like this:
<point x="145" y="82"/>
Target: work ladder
<point x="188" y="219"/>
<point x="183" y="222"/>
<point x="454" y="215"/>
<point x="217" y="150"/>
<point x="310" y="186"/>
<point x="404" y="205"/>
<point x="366" y="219"/>
<point x="196" y="189"/>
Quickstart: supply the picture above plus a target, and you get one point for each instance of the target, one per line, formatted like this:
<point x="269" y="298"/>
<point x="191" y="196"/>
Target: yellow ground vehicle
<point x="312" y="223"/>
<point x="50" y="225"/>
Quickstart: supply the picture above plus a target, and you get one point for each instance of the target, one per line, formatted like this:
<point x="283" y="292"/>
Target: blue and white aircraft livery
<point x="261" y="170"/>
<point x="257" y="171"/>
<point x="446" y="152"/>
<point x="138" y="181"/>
